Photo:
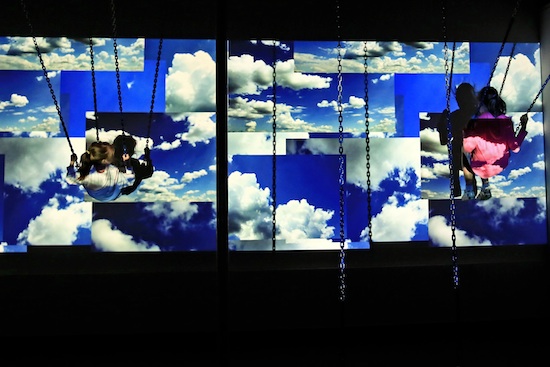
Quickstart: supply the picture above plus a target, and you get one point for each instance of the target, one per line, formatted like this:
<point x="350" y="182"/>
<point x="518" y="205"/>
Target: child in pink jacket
<point x="489" y="139"/>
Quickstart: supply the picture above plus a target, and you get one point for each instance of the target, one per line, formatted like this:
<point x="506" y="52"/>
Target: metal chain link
<point x="534" y="101"/>
<point x="448" y="78"/>
<point x="94" y="88"/>
<point x="507" y="67"/>
<point x="274" y="156"/>
<point x="514" y="13"/>
<point x="367" y="142"/>
<point x="117" y="69"/>
<point x="538" y="94"/>
<point x="46" y="77"/>
<point x="341" y="170"/>
<point x="159" y="53"/>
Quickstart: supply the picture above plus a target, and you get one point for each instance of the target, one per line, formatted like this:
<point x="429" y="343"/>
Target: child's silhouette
<point x="127" y="144"/>
<point x="467" y="101"/>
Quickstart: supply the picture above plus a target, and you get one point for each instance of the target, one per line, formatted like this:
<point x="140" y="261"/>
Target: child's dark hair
<point x="123" y="144"/>
<point x="98" y="154"/>
<point x="488" y="96"/>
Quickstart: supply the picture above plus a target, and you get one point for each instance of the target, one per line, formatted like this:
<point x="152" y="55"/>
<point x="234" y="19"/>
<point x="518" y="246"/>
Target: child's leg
<point x="485" y="192"/>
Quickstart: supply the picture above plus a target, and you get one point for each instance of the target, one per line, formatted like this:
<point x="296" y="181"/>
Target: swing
<point x="125" y="144"/>
<point x="142" y="170"/>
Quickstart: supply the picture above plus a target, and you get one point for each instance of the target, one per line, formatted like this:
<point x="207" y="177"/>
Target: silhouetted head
<point x="124" y="141"/>
<point x="466" y="97"/>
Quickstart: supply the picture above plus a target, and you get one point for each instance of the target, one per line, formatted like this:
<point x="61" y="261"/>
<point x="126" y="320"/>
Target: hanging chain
<point x="507" y="67"/>
<point x="342" y="264"/>
<point x="274" y="141"/>
<point x="113" y="18"/>
<point x="538" y="94"/>
<point x="534" y="100"/>
<point x="94" y="89"/>
<point x="46" y="77"/>
<point x="514" y="13"/>
<point x="153" y="93"/>
<point x="367" y="142"/>
<point x="448" y="78"/>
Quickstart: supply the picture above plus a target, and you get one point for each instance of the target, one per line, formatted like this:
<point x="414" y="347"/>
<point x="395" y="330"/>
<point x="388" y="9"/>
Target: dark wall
<point x="468" y="20"/>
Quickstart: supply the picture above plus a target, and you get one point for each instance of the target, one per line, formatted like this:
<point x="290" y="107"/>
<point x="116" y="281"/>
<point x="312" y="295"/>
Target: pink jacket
<point x="489" y="140"/>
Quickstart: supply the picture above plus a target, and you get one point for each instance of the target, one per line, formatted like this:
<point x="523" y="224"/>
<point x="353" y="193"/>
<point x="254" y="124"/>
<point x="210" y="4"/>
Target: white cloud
<point x="57" y="226"/>
<point x="106" y="237"/>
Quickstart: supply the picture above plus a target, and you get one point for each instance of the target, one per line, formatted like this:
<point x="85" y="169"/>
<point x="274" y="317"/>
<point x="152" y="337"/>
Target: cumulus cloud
<point x="106" y="237"/>
<point x="191" y="83"/>
<point x="56" y="225"/>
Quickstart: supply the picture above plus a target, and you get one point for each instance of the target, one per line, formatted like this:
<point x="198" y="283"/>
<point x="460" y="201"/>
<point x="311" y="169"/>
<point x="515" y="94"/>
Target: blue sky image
<point x="402" y="93"/>
<point x="177" y="202"/>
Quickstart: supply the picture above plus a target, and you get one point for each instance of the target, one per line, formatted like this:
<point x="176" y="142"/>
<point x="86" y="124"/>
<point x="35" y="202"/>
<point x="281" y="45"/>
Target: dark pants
<point x="141" y="171"/>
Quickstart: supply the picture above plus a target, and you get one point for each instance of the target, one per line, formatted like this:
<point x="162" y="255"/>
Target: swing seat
<point x="495" y="130"/>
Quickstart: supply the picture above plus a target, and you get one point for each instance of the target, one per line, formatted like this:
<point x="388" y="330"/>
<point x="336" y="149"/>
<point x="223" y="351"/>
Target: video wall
<point x="370" y="131"/>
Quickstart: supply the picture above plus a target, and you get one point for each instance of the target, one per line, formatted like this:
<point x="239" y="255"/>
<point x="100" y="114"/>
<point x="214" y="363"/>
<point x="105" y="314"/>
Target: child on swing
<point x="488" y="139"/>
<point x="466" y="98"/>
<point x="142" y="170"/>
<point x="102" y="180"/>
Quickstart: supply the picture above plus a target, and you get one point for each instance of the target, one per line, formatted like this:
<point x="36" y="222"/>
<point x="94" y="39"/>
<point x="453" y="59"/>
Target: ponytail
<point x="98" y="154"/>
<point x="488" y="96"/>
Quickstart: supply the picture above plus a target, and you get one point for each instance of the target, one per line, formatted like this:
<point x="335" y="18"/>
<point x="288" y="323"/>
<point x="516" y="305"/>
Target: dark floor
<point x="512" y="343"/>
<point x="401" y="315"/>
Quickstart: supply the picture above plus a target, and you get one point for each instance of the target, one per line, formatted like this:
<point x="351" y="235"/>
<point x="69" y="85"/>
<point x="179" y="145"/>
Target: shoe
<point x="468" y="195"/>
<point x="484" y="194"/>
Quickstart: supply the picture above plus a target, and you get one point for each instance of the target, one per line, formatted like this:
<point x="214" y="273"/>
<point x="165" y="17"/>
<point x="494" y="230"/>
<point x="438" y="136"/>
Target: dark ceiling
<point x="464" y="20"/>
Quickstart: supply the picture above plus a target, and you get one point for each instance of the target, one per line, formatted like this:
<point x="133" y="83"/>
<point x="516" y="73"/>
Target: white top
<point x="102" y="186"/>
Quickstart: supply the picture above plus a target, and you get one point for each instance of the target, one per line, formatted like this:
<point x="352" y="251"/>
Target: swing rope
<point x="46" y="77"/>
<point x="274" y="156"/>
<point x="341" y="170"/>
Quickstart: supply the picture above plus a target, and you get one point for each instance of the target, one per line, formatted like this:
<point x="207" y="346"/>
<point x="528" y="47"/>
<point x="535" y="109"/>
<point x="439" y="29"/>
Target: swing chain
<point x="274" y="142"/>
<point x="159" y="53"/>
<point x="507" y="68"/>
<point x="538" y="94"/>
<point x="46" y="77"/>
<point x="117" y="69"/>
<point x="94" y="89"/>
<point x="518" y="128"/>
<point x="367" y="142"/>
<point x="448" y="82"/>
<point x="342" y="254"/>
<point x="514" y="13"/>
